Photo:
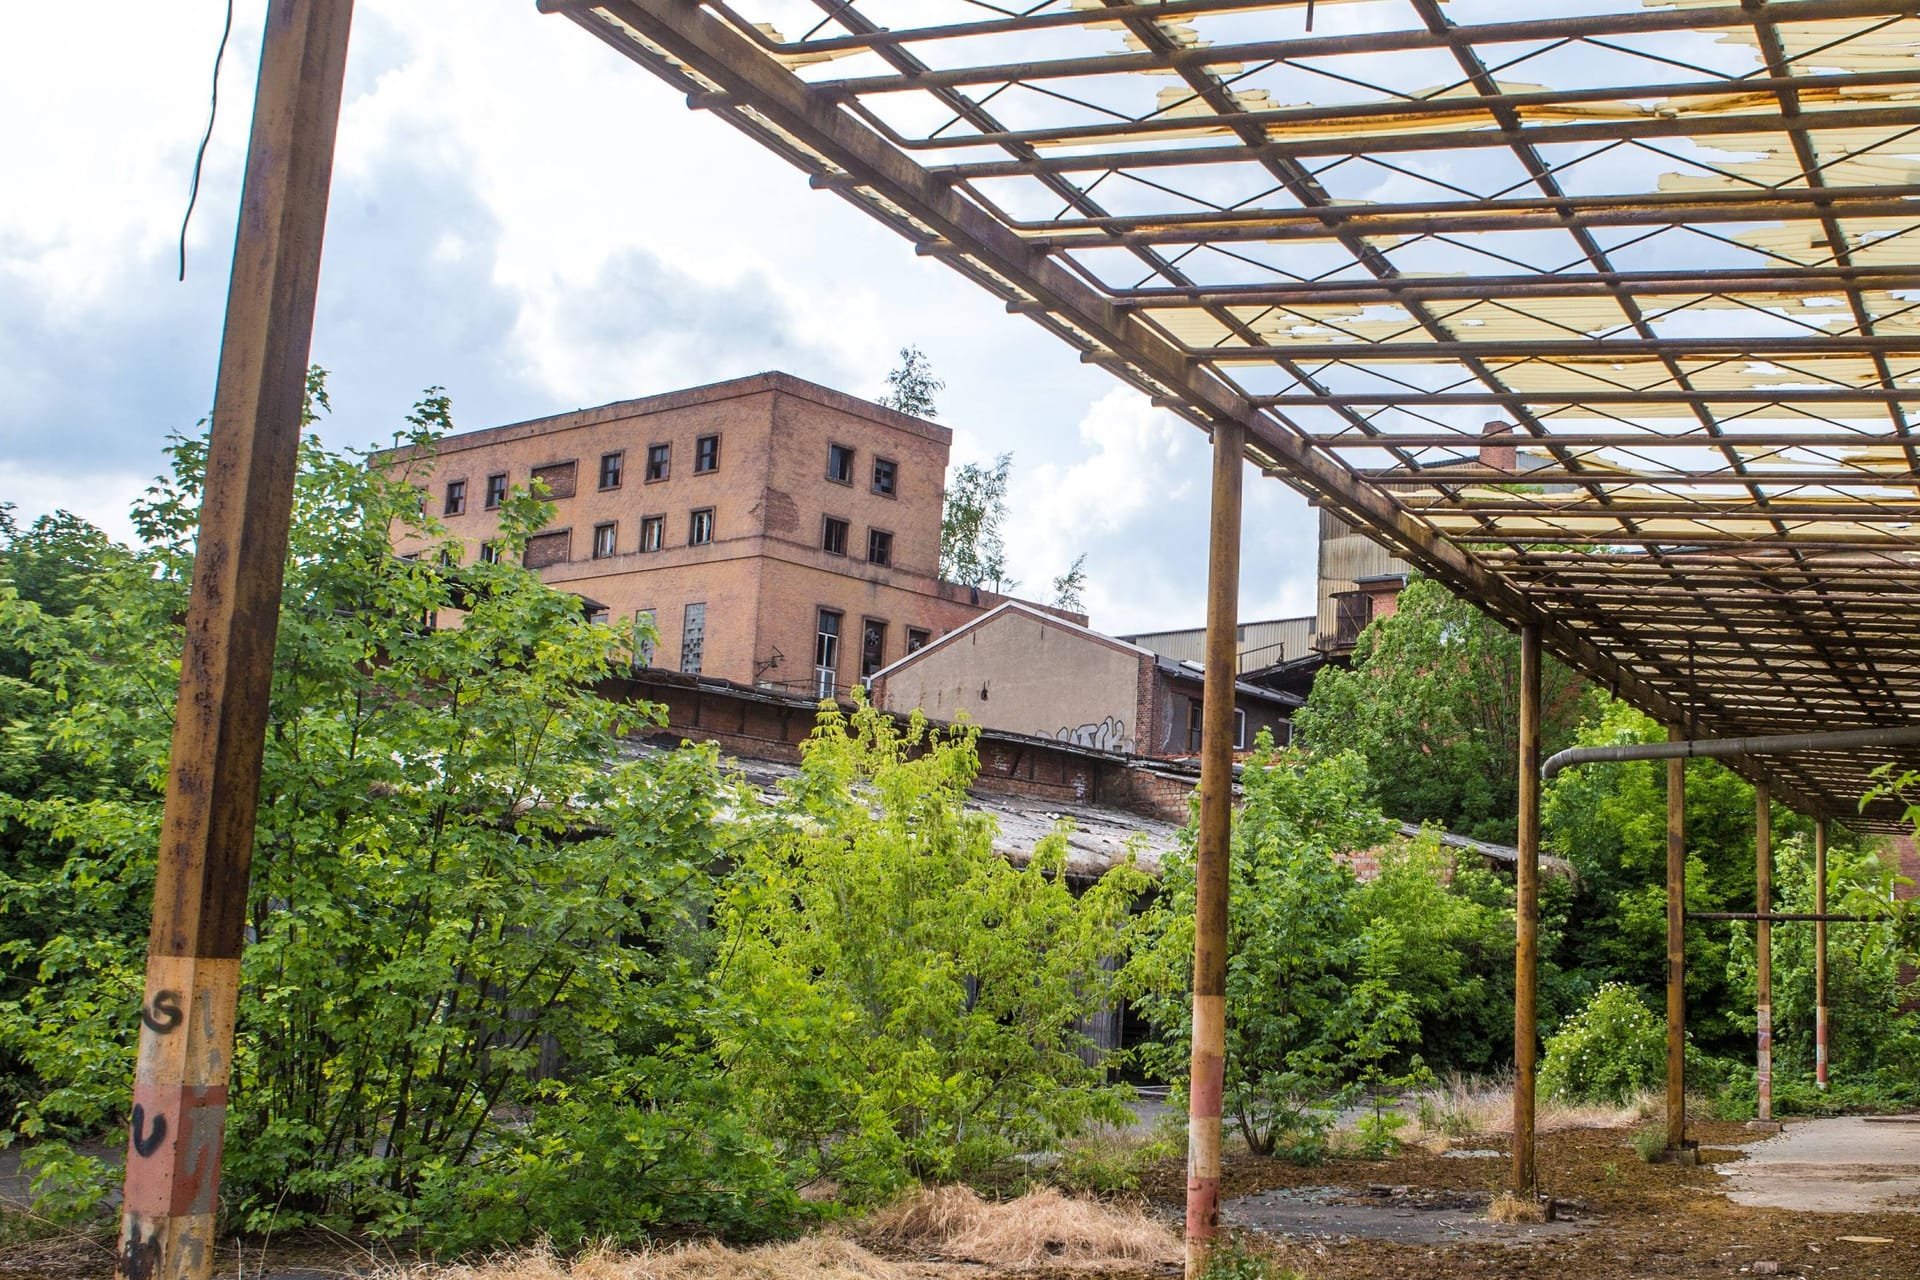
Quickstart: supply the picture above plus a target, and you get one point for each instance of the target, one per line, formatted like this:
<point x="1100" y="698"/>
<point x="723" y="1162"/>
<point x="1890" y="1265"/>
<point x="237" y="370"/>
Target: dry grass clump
<point x="1041" y="1228"/>
<point x="820" y="1257"/>
<point x="1462" y="1107"/>
<point x="1511" y="1209"/>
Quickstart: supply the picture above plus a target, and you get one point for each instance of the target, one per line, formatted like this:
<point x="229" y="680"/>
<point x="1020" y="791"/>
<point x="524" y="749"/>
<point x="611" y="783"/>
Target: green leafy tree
<point x="972" y="550"/>
<point x="1297" y="997"/>
<point x="912" y="386"/>
<point x="459" y="885"/>
<point x="1069" y="589"/>
<point x="909" y="1004"/>
<point x="1432" y="703"/>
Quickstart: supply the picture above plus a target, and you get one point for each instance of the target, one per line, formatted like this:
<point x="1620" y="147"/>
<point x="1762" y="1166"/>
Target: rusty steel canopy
<point x="1668" y="254"/>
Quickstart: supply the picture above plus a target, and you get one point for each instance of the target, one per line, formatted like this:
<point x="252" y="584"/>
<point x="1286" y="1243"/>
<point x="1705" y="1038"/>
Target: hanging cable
<point x="213" y="111"/>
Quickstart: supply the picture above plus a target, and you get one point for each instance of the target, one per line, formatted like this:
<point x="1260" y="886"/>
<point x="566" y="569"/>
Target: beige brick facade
<point x="737" y="474"/>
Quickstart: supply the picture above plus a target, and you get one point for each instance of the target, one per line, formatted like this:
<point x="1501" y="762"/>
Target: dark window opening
<point x="496" y="489"/>
<point x="833" y="537"/>
<point x="873" y="647"/>
<point x="653" y="533"/>
<point x="879" y="547"/>
<point x="886" y="474"/>
<point x="456" y="503"/>
<point x="916" y="639"/>
<point x="643" y="637"/>
<point x="1193" y="724"/>
<point x="693" y="638"/>
<point x="489" y="552"/>
<point x="610" y="470"/>
<point x="659" y="456"/>
<point x="700" y="527"/>
<point x="826" y="654"/>
<point x="606" y="537"/>
<point x="706" y="455"/>
<point x="839" y="464"/>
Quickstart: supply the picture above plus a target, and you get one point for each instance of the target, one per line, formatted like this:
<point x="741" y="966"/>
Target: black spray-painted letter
<point x="144" y="1143"/>
<point x="164" y="1014"/>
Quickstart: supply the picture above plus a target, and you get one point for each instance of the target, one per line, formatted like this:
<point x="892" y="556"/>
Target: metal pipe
<point x="1211" y="866"/>
<point x="1676" y="952"/>
<point x="1763" y="947"/>
<point x="1526" y="918"/>
<point x="1820" y="954"/>
<point x="1721" y="748"/>
<point x="1787" y="917"/>
<point x="179" y="1105"/>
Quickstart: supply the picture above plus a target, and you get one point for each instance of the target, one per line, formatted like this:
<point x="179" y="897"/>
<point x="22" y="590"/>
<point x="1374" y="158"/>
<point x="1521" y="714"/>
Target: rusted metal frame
<point x="1813" y="173"/>
<point x="1629" y="592"/>
<point x="1820" y="1010"/>
<point x="1707" y="284"/>
<point x="1648" y="439"/>
<point x="1624" y="509"/>
<point x="1421" y="546"/>
<point x="1675" y="544"/>
<point x="1392" y="110"/>
<point x="1304" y="146"/>
<point x="1070" y="194"/>
<point x="1763" y="948"/>
<point x="1676" y="951"/>
<point x="1840" y="478"/>
<point x="1779" y="67"/>
<point x="177" y="1122"/>
<point x="1526" y="917"/>
<point x="988" y="26"/>
<point x="1212" y="864"/>
<point x="1593" y="348"/>
<point x="1408" y="40"/>
<point x="1768" y="203"/>
<point x="1785" y="917"/>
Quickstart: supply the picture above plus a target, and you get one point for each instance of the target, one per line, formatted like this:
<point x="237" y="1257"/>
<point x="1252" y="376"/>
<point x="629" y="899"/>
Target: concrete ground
<point x="1844" y="1164"/>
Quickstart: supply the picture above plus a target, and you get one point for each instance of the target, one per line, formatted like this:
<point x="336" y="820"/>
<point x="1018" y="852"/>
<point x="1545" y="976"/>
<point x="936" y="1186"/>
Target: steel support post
<point x="1676" y="952"/>
<point x="1208" y="1080"/>
<point x="178" y="1121"/>
<point x="1526" y="917"/>
<point x="1763" y="947"/>
<point x="1820" y="953"/>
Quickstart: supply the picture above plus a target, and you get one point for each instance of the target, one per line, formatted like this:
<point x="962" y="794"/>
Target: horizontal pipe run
<point x="1721" y="748"/>
<point x="1791" y="917"/>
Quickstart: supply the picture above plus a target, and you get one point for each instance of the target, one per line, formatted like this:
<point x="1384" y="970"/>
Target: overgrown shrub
<point x="1611" y="1049"/>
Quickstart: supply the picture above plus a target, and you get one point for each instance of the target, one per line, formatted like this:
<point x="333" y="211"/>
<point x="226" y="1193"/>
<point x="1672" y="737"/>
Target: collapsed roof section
<point x="1672" y="250"/>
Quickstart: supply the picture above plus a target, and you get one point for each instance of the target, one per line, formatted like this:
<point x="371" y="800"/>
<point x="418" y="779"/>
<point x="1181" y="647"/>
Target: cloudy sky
<point x="525" y="218"/>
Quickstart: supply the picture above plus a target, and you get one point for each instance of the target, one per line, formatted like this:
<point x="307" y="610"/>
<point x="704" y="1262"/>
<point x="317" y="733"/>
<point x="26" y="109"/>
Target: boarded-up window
<point x="559" y="478"/>
<point x="549" y="548"/>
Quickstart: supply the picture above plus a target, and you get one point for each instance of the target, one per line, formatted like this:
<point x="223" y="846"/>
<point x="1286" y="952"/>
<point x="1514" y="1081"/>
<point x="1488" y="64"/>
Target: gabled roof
<point x="1016" y="607"/>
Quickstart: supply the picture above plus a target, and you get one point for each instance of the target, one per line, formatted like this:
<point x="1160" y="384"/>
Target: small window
<point x="879" y="547"/>
<point x="693" y="638"/>
<point x="1193" y="724"/>
<point x="558" y="478"/>
<point x="610" y="470"/>
<point x="873" y="647"/>
<point x="1239" y="729"/>
<point x="658" y="458"/>
<point x="706" y="455"/>
<point x="653" y="533"/>
<point x="700" y="527"/>
<point x="489" y="552"/>
<point x="496" y="489"/>
<point x="886" y="474"/>
<point x="833" y="537"/>
<point x="606" y="537"/>
<point x="456" y="503"/>
<point x="600" y="617"/>
<point x="644" y="635"/>
<point x="839" y="464"/>
<point x="544" y="549"/>
<point x="916" y="639"/>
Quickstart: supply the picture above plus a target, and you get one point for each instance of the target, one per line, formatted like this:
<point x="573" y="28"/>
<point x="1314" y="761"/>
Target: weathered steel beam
<point x="178" y="1120"/>
<point x="1468" y="441"/>
<point x="1763" y="948"/>
<point x="1745" y="348"/>
<point x="1482" y="34"/>
<point x="1526" y="918"/>
<point x="1676" y="952"/>
<point x="1307" y="146"/>
<point x="1820" y="1010"/>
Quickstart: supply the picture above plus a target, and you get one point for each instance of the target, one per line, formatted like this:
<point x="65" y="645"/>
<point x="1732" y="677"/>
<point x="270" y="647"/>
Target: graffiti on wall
<point x="1108" y="735"/>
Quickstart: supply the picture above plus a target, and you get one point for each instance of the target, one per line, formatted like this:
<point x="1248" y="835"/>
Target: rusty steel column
<point x="1763" y="947"/>
<point x="1208" y="1081"/>
<point x="1526" y="916"/>
<point x="178" y="1121"/>
<point x="1676" y="952"/>
<point x="1820" y="953"/>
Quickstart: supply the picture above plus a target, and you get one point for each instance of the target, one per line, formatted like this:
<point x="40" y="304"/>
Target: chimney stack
<point x="1502" y="456"/>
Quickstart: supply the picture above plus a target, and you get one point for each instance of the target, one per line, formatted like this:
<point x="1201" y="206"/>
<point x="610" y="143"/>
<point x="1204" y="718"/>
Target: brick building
<point x="776" y="533"/>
